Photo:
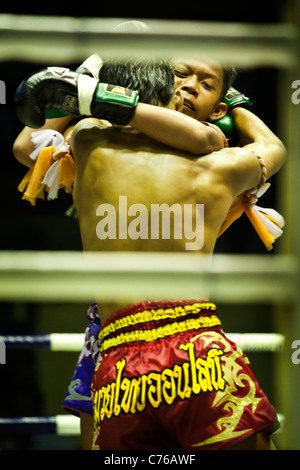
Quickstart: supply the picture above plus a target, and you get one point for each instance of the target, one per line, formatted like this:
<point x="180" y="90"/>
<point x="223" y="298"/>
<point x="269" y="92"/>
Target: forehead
<point x="200" y="67"/>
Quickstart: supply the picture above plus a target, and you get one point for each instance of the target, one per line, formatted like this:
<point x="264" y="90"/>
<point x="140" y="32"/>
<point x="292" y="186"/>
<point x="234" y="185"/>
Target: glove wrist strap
<point x="92" y="65"/>
<point x="116" y="94"/>
<point x="86" y="87"/>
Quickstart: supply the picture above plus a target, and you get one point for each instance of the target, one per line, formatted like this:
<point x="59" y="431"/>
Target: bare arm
<point x="23" y="146"/>
<point x="164" y="125"/>
<point x="255" y="135"/>
<point x="239" y="168"/>
<point x="177" y="130"/>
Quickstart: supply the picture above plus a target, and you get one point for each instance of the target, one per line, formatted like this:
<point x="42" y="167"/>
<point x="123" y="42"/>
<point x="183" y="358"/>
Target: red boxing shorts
<point x="169" y="378"/>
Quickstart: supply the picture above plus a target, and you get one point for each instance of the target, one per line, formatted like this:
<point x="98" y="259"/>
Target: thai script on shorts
<point x="132" y="395"/>
<point x="135" y="222"/>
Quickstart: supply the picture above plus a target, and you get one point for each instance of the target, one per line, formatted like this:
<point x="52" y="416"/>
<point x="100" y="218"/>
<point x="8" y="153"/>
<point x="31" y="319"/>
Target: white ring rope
<point x="74" y="341"/>
<point x="63" y="40"/>
<point x="62" y="425"/>
<point x="132" y="277"/>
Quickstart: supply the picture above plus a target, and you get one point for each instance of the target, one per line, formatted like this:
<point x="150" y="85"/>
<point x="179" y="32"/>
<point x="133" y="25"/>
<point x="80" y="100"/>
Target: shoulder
<point x="85" y="132"/>
<point x="88" y="126"/>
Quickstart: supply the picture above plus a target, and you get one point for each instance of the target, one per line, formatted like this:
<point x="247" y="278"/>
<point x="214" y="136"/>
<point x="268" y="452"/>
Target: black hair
<point x="153" y="79"/>
<point x="229" y="75"/>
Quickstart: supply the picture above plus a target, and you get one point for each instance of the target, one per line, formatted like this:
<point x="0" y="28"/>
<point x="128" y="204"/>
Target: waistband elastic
<point x="149" y="321"/>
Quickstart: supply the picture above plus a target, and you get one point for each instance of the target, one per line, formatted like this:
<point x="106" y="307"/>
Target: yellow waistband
<point x="161" y="331"/>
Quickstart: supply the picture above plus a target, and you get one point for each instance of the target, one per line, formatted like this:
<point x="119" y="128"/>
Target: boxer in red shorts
<point x="190" y="361"/>
<point x="169" y="379"/>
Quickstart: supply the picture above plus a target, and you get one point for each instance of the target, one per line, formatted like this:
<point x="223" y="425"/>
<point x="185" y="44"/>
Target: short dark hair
<point x="229" y="75"/>
<point x="153" y="79"/>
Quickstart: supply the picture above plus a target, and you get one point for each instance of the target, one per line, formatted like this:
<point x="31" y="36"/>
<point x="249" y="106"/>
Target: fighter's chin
<point x="188" y="111"/>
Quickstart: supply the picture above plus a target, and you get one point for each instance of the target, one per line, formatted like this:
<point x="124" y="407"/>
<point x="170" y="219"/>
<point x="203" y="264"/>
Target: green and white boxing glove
<point x="73" y="93"/>
<point x="235" y="98"/>
<point x="106" y="101"/>
<point x="91" y="67"/>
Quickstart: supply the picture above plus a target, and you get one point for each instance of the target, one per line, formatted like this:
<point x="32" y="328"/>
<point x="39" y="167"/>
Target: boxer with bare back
<point x="166" y="375"/>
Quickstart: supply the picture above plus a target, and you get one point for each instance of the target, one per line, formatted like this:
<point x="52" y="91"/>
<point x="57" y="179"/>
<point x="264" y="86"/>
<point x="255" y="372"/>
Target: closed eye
<point x="207" y="85"/>
<point x="180" y="74"/>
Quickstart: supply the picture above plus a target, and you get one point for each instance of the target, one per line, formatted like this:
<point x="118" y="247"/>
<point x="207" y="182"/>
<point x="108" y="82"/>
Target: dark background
<point x="27" y="385"/>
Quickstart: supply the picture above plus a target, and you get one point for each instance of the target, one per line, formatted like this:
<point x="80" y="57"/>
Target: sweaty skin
<point x="113" y="162"/>
<point x="146" y="173"/>
<point x="177" y="163"/>
<point x="155" y="169"/>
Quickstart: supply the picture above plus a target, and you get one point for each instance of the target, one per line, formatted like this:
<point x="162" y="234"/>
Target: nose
<point x="190" y="84"/>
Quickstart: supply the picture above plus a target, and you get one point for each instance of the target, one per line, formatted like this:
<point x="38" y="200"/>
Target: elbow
<point x="283" y="151"/>
<point x="18" y="151"/>
<point x="274" y="155"/>
<point x="273" y="146"/>
<point x="208" y="141"/>
<point x="21" y="155"/>
<point x="282" y="154"/>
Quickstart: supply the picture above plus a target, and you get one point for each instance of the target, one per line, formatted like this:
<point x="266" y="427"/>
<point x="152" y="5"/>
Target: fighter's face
<point x="198" y="86"/>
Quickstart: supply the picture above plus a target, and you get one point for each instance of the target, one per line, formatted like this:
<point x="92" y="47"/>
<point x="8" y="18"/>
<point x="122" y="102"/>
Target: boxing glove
<point x="91" y="67"/>
<point x="226" y="125"/>
<point x="234" y="98"/>
<point x="73" y="93"/>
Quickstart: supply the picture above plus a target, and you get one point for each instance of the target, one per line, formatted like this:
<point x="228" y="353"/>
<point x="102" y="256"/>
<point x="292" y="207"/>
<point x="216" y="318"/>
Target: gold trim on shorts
<point x="153" y="315"/>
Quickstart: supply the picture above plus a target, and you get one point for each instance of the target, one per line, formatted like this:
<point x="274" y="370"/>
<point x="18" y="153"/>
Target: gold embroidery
<point x="225" y="397"/>
<point x="195" y="376"/>
<point x="160" y="332"/>
<point x="154" y="315"/>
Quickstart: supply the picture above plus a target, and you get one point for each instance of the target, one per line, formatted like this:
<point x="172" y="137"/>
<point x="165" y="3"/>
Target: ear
<point x="219" y="112"/>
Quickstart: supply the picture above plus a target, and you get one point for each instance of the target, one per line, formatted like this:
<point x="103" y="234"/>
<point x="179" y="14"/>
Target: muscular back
<point x="128" y="187"/>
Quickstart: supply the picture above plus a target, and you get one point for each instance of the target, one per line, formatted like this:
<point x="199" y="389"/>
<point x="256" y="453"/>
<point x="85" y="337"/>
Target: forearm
<point x="255" y="135"/>
<point x="177" y="130"/>
<point x="23" y="145"/>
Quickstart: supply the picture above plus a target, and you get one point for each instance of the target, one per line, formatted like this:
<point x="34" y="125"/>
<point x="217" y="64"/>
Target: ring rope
<point x="61" y="39"/>
<point x="74" y="341"/>
<point x="61" y="425"/>
<point x="76" y="277"/>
